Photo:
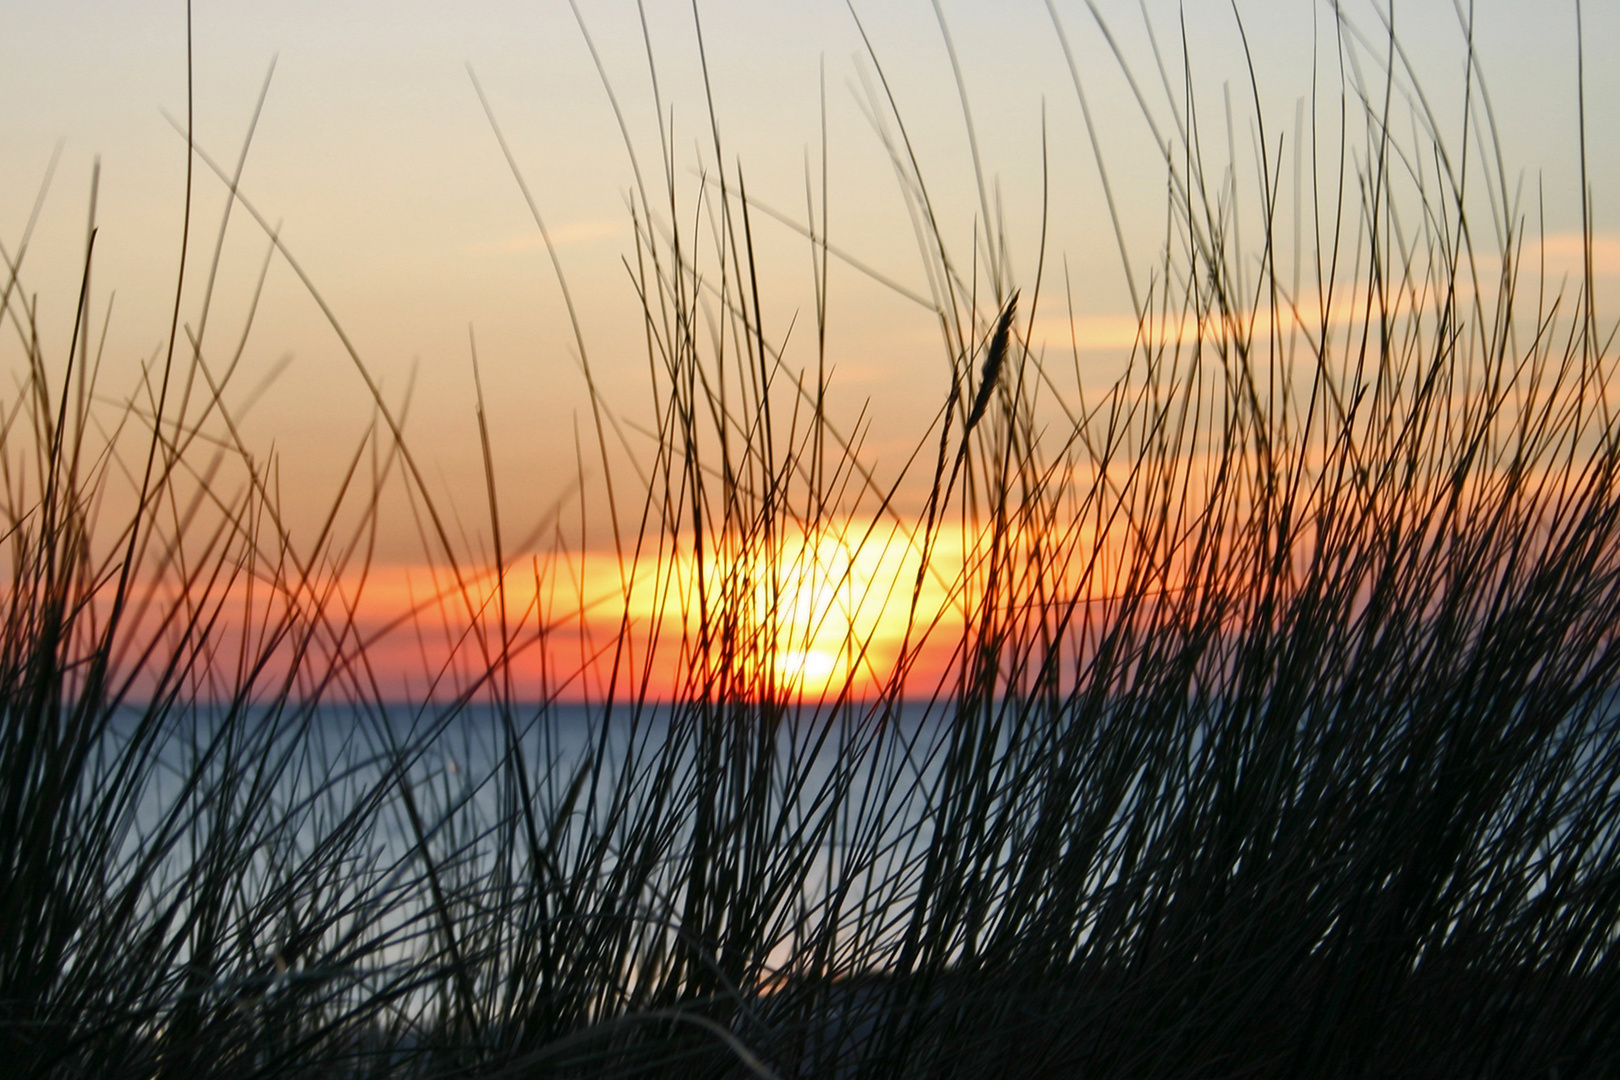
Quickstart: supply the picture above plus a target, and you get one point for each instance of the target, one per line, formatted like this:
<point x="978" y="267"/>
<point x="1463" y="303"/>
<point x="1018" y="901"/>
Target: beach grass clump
<point x="1275" y="735"/>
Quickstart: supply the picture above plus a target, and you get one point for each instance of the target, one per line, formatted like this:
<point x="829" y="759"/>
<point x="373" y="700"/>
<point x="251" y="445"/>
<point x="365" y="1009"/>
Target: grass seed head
<point x="994" y="360"/>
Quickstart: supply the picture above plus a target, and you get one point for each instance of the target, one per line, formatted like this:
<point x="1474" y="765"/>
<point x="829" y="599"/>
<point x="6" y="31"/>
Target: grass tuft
<point x="1264" y="725"/>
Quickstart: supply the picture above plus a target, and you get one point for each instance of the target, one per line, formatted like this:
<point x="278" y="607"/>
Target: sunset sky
<point x="374" y="156"/>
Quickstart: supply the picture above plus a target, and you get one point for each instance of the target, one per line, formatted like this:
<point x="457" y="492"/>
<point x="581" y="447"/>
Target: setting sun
<point x="814" y="615"/>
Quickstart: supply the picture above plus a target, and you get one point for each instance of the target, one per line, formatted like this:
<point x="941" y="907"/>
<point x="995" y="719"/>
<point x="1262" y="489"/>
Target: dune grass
<point x="1278" y="737"/>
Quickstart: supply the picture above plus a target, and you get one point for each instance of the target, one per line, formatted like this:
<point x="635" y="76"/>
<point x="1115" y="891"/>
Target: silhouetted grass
<point x="1278" y="737"/>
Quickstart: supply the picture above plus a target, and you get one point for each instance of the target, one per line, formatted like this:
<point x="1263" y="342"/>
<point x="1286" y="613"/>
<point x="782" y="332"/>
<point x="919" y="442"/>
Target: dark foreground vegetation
<point x="1280" y="738"/>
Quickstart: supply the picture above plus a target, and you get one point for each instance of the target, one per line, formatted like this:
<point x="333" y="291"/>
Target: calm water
<point x="388" y="782"/>
<point x="294" y="779"/>
<point x="301" y="773"/>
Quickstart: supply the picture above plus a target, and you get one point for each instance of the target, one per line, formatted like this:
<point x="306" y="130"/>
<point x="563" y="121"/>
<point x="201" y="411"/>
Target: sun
<point x="840" y="604"/>
<point x="816" y="614"/>
<point x="809" y="605"/>
<point x="813" y="669"/>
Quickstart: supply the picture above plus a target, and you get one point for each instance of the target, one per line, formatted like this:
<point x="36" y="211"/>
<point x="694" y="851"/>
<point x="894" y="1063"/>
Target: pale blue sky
<point x="375" y="156"/>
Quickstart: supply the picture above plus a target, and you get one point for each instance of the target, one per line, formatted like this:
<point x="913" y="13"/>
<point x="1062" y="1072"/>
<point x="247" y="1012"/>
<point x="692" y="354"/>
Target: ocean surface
<point x="391" y="781"/>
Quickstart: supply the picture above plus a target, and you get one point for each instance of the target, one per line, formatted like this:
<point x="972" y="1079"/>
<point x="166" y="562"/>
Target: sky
<point x="375" y="162"/>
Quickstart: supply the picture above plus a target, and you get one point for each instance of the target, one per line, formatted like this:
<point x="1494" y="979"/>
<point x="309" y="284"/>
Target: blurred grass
<point x="1278" y="737"/>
